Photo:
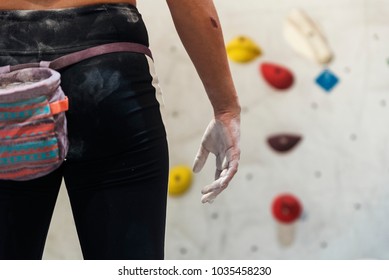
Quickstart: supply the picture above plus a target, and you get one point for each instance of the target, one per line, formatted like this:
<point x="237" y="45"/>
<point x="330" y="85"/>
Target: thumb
<point x="200" y="159"/>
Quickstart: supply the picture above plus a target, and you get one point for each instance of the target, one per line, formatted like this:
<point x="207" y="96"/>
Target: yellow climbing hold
<point x="180" y="179"/>
<point x="242" y="49"/>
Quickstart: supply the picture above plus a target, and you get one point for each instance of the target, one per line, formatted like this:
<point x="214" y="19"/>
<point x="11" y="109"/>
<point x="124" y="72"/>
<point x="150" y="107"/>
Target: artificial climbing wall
<point x="338" y="172"/>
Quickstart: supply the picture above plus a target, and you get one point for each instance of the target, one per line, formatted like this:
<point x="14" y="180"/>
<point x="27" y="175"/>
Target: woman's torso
<point x="53" y="4"/>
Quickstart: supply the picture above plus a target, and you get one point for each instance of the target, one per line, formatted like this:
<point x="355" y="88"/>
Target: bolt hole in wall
<point x="310" y="130"/>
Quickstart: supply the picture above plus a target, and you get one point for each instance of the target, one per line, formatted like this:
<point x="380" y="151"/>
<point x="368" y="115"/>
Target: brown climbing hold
<point x="283" y="142"/>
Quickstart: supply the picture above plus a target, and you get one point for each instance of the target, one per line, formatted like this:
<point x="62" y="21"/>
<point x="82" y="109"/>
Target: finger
<point x="217" y="173"/>
<point x="210" y="197"/>
<point x="213" y="186"/>
<point x="211" y="191"/>
<point x="200" y="159"/>
<point x="225" y="163"/>
<point x="230" y="173"/>
<point x="220" y="159"/>
<point x="232" y="159"/>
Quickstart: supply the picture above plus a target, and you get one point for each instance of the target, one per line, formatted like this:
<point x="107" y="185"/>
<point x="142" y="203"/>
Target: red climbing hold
<point x="277" y="76"/>
<point x="286" y="208"/>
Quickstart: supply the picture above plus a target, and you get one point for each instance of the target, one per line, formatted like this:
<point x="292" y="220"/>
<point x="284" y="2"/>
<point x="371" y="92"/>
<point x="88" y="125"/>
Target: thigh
<point x="26" y="209"/>
<point x="117" y="167"/>
<point x="119" y="205"/>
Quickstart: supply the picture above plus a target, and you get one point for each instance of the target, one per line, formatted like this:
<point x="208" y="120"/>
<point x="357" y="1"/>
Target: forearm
<point x="198" y="26"/>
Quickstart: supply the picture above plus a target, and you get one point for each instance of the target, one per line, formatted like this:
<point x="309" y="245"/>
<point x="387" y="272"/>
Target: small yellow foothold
<point x="242" y="49"/>
<point x="180" y="179"/>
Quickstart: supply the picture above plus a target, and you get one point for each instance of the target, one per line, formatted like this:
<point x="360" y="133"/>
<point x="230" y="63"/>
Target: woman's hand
<point x="221" y="138"/>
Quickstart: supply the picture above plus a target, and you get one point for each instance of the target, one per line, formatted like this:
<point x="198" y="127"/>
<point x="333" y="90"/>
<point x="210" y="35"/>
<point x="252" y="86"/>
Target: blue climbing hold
<point x="327" y="80"/>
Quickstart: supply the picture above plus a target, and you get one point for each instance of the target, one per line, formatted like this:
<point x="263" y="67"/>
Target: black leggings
<point x="117" y="166"/>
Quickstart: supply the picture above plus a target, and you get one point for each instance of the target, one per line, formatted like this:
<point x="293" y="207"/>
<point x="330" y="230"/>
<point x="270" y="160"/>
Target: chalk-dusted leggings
<point x="117" y="166"/>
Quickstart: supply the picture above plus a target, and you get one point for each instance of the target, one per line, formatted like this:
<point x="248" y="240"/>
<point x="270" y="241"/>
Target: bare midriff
<point x="54" y="4"/>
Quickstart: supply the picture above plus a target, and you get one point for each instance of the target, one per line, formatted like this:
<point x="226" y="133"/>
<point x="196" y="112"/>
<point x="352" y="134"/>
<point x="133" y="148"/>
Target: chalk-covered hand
<point x="221" y="138"/>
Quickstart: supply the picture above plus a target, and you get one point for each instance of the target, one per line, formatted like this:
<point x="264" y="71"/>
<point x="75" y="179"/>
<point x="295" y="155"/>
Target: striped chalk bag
<point x="33" y="132"/>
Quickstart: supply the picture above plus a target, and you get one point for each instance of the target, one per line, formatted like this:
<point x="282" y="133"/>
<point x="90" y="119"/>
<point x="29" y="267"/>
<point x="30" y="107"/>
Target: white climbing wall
<point x="340" y="169"/>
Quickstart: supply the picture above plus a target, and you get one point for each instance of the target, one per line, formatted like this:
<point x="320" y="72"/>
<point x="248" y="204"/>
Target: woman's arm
<point x="199" y="28"/>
